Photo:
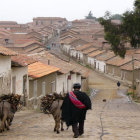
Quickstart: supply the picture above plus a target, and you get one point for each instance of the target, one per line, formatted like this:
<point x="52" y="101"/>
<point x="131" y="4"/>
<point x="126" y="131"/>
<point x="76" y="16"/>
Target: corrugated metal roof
<point x="6" y="51"/>
<point x="38" y="69"/>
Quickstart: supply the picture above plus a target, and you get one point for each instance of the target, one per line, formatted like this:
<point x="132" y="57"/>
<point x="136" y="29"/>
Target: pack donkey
<point x="8" y="107"/>
<point x="52" y="103"/>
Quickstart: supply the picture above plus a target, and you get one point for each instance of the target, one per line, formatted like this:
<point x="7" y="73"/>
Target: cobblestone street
<point x="115" y="119"/>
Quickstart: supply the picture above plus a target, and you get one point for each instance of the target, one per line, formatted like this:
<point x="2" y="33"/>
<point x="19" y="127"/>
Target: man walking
<point x="74" y="108"/>
<point x="118" y="84"/>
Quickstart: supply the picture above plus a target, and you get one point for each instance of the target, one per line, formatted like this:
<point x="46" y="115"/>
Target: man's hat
<point x="77" y="85"/>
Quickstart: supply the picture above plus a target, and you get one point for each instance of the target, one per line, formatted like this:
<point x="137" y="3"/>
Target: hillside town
<point x="49" y="55"/>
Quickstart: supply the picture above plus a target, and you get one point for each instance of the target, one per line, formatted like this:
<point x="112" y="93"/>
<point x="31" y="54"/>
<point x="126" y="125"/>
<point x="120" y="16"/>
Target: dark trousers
<point x="78" y="128"/>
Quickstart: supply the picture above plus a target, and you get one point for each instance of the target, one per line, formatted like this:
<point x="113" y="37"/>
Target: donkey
<point x="53" y="105"/>
<point x="8" y="107"/>
<point x="6" y="115"/>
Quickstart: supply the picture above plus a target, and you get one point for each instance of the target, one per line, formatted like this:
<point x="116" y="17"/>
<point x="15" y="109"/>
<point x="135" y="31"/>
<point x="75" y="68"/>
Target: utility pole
<point x="133" y="74"/>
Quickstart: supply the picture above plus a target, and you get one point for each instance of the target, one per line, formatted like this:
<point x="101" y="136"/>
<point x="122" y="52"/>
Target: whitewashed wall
<point x="100" y="65"/>
<point x="78" y="78"/>
<point x="73" y="53"/>
<point x="65" y="84"/>
<point x="60" y="83"/>
<point x="5" y="74"/>
<point x="66" y="48"/>
<point x="91" y="61"/>
<point x="80" y="55"/>
<point x="73" y="79"/>
<point x="5" y="64"/>
<point x="19" y="72"/>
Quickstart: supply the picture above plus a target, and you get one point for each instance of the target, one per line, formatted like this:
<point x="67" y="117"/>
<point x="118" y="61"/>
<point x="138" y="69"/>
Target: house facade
<point x="91" y="58"/>
<point x="113" y="65"/>
<point x="101" y="61"/>
<point x="19" y="76"/>
<point x="5" y="70"/>
<point x="42" y="81"/>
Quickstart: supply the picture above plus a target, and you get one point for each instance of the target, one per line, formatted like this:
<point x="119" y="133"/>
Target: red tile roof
<point x="118" y="61"/>
<point x="105" y="56"/>
<point x="38" y="69"/>
<point x="67" y="40"/>
<point x="96" y="53"/>
<point x="89" y="50"/>
<point x="23" y="60"/>
<point x="22" y="41"/>
<point x="7" y="52"/>
<point x="129" y="67"/>
<point x="64" y="67"/>
<point x="28" y="43"/>
<point x="81" y="48"/>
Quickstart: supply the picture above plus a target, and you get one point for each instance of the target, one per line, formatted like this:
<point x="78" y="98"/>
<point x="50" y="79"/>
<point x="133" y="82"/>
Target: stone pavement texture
<point x="115" y="119"/>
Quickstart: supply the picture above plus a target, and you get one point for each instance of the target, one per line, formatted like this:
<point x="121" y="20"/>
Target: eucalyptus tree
<point x="128" y="30"/>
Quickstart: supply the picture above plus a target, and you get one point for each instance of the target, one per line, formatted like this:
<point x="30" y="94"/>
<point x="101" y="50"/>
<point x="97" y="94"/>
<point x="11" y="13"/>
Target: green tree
<point x="113" y="34"/>
<point x="137" y="5"/>
<point x="128" y="31"/>
<point x="117" y="17"/>
<point x="90" y="16"/>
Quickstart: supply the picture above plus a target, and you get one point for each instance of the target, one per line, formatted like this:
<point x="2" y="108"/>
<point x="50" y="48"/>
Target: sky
<point x="23" y="11"/>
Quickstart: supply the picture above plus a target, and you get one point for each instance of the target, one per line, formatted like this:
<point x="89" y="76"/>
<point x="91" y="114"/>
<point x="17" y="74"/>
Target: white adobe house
<point x="100" y="66"/>
<point x="91" y="61"/>
<point x="76" y="54"/>
<point x="19" y="78"/>
<point x="73" y="52"/>
<point x="75" y="78"/>
<point x="66" y="48"/>
<point x="101" y="61"/>
<point x="19" y="75"/>
<point x="80" y="55"/>
<point x="64" y="82"/>
<point x="5" y="69"/>
<point x="92" y="58"/>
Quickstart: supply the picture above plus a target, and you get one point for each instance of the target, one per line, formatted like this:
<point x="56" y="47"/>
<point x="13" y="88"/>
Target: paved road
<point x="115" y="119"/>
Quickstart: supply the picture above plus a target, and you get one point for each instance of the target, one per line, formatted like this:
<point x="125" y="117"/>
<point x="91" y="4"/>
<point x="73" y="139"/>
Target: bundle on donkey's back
<point x="8" y="107"/>
<point x="52" y="103"/>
